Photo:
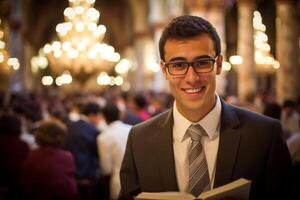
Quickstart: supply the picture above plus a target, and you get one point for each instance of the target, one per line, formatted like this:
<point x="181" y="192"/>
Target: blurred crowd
<point x="70" y="146"/>
<point x="288" y="113"/>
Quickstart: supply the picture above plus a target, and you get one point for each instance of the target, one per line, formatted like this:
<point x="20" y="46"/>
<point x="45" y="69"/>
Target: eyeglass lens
<point x="199" y="66"/>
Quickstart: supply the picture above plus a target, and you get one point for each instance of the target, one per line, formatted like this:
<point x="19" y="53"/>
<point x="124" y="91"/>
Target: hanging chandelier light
<point x="265" y="62"/>
<point x="80" y="48"/>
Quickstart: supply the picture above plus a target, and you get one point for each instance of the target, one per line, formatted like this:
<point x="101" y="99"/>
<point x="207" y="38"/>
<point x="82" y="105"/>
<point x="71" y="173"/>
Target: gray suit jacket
<point x="250" y="146"/>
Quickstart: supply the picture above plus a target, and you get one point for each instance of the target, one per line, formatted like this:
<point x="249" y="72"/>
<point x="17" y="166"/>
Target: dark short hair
<point x="111" y="112"/>
<point x="272" y="110"/>
<point x="51" y="133"/>
<point x="91" y="108"/>
<point x="289" y="104"/>
<point x="140" y="101"/>
<point x="10" y="124"/>
<point x="185" y="27"/>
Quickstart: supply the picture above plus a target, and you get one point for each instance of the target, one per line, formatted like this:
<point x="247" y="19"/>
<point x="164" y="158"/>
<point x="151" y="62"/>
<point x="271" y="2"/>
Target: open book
<point x="237" y="190"/>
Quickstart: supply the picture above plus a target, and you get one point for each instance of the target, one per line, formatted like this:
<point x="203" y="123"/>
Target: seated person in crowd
<point x="81" y="141"/>
<point x="13" y="152"/>
<point x="48" y="172"/>
<point x="290" y="118"/>
<point x="272" y="110"/>
<point x="111" y="146"/>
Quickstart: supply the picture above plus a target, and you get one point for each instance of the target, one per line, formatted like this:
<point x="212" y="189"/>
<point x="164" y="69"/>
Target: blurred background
<point x="95" y="45"/>
<point x="91" y="67"/>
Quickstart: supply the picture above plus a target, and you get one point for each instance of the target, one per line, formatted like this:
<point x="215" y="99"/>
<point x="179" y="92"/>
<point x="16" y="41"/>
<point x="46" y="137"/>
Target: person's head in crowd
<point x="140" y="101"/>
<point x="190" y="52"/>
<point x="111" y="113"/>
<point x="74" y="110"/>
<point x="93" y="112"/>
<point x="30" y="118"/>
<point x="10" y="125"/>
<point x="51" y="133"/>
<point x="57" y="113"/>
<point x="2" y="95"/>
<point x="272" y="110"/>
<point x="298" y="104"/>
<point x="288" y="107"/>
<point x="233" y="100"/>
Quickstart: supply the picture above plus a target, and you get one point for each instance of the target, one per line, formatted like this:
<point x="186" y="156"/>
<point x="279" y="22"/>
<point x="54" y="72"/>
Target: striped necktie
<point x="198" y="171"/>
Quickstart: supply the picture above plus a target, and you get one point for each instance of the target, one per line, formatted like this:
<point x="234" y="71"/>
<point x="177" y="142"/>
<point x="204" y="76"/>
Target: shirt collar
<point x="210" y="122"/>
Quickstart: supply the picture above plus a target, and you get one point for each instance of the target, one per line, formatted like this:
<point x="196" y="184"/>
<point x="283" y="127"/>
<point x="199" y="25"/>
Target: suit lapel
<point x="165" y="152"/>
<point x="227" y="152"/>
<point x="228" y="145"/>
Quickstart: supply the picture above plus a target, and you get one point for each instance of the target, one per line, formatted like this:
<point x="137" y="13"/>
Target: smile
<point x="194" y="90"/>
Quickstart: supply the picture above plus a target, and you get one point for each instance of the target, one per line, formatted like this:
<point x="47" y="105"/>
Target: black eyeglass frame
<point x="190" y="64"/>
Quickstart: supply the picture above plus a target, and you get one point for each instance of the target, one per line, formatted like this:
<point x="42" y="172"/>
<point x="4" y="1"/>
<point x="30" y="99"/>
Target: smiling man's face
<point x="194" y="93"/>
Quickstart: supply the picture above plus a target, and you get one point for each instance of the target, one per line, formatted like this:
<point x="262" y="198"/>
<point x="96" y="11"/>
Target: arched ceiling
<point x="40" y="18"/>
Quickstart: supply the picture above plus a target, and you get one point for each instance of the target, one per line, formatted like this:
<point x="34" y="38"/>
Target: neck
<point x="196" y="115"/>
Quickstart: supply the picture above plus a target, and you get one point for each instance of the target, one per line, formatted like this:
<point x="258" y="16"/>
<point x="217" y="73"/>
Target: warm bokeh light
<point x="265" y="62"/>
<point x="80" y="47"/>
<point x="236" y="60"/>
<point x="105" y="79"/>
<point x="14" y="63"/>
<point x="226" y="66"/>
<point x="47" y="80"/>
<point x="7" y="63"/>
<point x="123" y="66"/>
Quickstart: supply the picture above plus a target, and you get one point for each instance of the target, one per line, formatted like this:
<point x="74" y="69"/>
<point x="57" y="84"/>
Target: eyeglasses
<point x="203" y="65"/>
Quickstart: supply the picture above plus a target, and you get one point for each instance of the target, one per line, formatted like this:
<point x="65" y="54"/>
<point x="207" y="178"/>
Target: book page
<point x="165" y="196"/>
<point x="238" y="189"/>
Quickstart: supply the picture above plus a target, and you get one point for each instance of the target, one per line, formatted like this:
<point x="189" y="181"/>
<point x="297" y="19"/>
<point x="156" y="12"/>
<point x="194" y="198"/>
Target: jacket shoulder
<point x="154" y="123"/>
<point x="250" y="116"/>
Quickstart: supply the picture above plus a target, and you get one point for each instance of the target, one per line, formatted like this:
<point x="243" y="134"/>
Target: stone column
<point x="287" y="51"/>
<point x="160" y="12"/>
<point x="216" y="16"/>
<point x="246" y="71"/>
<point x="18" y="80"/>
<point x="197" y="8"/>
<point x="142" y="37"/>
<point x="175" y="7"/>
<point x="158" y="17"/>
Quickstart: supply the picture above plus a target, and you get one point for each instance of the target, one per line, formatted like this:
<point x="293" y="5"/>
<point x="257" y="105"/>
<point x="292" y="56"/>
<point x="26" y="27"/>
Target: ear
<point x="219" y="62"/>
<point x="163" y="69"/>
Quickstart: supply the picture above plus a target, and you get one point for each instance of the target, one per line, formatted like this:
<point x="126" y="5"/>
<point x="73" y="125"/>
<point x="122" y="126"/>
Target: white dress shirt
<point x="111" y="146"/>
<point x="182" y="142"/>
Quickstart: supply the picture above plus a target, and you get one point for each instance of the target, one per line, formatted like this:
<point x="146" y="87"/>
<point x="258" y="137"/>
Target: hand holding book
<point x="236" y="190"/>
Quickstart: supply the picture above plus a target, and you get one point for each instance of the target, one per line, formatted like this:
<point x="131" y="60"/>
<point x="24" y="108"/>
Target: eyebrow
<point x="184" y="59"/>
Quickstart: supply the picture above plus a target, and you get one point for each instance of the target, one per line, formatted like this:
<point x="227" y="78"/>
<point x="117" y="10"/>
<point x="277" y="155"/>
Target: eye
<point x="203" y="63"/>
<point x="178" y="65"/>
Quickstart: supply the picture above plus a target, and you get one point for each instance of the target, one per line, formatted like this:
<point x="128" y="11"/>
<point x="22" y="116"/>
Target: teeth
<point x="193" y="90"/>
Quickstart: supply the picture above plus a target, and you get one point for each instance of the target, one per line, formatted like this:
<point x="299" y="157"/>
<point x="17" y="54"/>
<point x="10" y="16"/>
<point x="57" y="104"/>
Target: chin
<point x="195" y="106"/>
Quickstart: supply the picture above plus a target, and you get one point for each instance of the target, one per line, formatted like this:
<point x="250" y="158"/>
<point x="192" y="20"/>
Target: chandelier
<point x="80" y="48"/>
<point x="265" y="62"/>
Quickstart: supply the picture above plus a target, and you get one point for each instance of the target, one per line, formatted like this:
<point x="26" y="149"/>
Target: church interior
<point x="66" y="60"/>
<point x="130" y="30"/>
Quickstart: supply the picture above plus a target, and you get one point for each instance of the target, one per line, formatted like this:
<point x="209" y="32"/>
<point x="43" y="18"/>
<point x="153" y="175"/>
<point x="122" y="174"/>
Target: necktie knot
<point x="195" y="131"/>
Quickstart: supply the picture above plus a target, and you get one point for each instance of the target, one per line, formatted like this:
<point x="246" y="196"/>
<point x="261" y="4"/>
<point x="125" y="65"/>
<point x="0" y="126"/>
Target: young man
<point x="234" y="143"/>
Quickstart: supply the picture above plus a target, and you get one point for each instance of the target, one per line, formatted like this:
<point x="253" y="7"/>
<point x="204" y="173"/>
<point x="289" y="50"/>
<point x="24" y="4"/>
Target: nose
<point x="191" y="75"/>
